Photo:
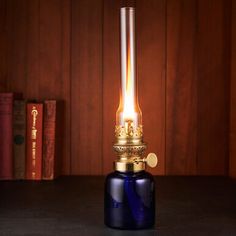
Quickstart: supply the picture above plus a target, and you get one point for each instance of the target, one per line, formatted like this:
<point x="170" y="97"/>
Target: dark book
<point x="6" y="134"/>
<point x="52" y="139"/>
<point x="34" y="141"/>
<point x="19" y="134"/>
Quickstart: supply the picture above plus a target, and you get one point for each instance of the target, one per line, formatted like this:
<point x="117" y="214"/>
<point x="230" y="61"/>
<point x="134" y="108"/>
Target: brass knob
<point x="151" y="160"/>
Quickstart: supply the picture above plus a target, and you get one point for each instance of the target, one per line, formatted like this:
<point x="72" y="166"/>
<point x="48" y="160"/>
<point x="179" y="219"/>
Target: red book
<point x="52" y="139"/>
<point x="6" y="134"/>
<point x="34" y="141"/>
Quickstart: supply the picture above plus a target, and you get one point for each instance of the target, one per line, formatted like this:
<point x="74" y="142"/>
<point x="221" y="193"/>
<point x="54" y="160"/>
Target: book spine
<point x="6" y="110"/>
<point x="19" y="132"/>
<point x="34" y="141"/>
<point x="49" y="132"/>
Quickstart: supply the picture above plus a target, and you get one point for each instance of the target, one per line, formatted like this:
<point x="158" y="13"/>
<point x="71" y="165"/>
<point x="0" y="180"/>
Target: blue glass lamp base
<point x="129" y="200"/>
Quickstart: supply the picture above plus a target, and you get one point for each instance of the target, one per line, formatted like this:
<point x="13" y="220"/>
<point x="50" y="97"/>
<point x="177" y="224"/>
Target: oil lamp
<point x="129" y="190"/>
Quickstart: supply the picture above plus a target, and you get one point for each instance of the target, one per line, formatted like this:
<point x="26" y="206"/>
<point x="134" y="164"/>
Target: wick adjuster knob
<point x="151" y="160"/>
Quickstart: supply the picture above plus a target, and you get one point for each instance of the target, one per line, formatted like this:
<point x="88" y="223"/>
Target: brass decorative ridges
<point x="130" y="150"/>
<point x="128" y="131"/>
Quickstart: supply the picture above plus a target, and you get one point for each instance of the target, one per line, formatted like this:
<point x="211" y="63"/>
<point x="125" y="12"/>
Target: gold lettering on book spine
<point x="34" y="114"/>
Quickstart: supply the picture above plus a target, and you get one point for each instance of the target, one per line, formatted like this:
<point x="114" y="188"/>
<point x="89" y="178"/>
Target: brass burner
<point x="130" y="149"/>
<point x="128" y="131"/>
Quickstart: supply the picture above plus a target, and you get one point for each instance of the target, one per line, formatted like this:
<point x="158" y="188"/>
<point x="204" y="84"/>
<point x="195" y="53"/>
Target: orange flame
<point x="129" y="101"/>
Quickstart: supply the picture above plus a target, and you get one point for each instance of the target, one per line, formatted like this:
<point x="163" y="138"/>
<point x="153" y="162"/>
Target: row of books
<point x="30" y="138"/>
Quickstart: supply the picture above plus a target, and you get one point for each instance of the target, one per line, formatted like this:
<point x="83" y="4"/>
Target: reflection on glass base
<point x="129" y="200"/>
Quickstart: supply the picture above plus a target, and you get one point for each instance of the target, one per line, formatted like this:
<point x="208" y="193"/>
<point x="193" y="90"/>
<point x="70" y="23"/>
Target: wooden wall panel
<point x="197" y="87"/>
<point x="213" y="86"/>
<point x="86" y="87"/>
<point x="151" y="59"/>
<point x="232" y="161"/>
<point x="18" y="17"/>
<point x="69" y="50"/>
<point x="38" y="54"/>
<point x="54" y="54"/>
<point x="66" y="81"/>
<point x="111" y="78"/>
<point x="181" y="88"/>
<point x="3" y="44"/>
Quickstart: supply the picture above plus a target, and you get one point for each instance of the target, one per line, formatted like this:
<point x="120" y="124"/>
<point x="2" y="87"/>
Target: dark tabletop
<point x="74" y="206"/>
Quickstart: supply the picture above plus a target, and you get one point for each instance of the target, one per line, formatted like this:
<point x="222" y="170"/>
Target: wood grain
<point x="181" y="88"/>
<point x="213" y="86"/>
<point x="197" y="87"/>
<point x="86" y="88"/>
<point x="17" y="22"/>
<point x="151" y="59"/>
<point x="32" y="67"/>
<point x="232" y="160"/>
<point x="54" y="53"/>
<point x="69" y="50"/>
<point x="40" y="55"/>
<point x="3" y="44"/>
<point x="111" y="78"/>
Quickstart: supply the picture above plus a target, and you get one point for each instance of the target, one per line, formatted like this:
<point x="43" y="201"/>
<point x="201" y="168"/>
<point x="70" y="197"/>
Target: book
<point x="34" y="141"/>
<point x="52" y="139"/>
<point x="6" y="134"/>
<point x="19" y="135"/>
